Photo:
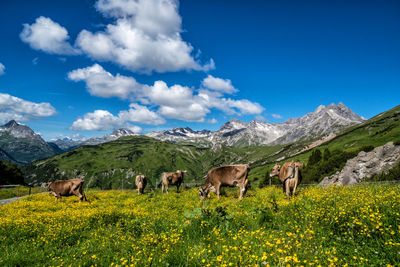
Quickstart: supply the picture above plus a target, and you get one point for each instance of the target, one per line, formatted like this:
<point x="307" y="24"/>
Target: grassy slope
<point x="142" y="154"/>
<point x="339" y="226"/>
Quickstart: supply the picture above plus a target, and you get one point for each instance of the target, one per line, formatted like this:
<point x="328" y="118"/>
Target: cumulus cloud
<point x="2" y="68"/>
<point x="48" y="36"/>
<point x="141" y="114"/>
<point x="100" y="120"/>
<point x="173" y="102"/>
<point x="14" y="108"/>
<point x="145" y="37"/>
<point x="102" y="83"/>
<point x="218" y="84"/>
<point x="175" y="95"/>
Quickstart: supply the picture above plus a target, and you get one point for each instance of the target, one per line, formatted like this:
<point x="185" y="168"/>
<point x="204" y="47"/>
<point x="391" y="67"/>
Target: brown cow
<point x="140" y="182"/>
<point x="289" y="175"/>
<point x="67" y="188"/>
<point x="172" y="178"/>
<point x="230" y="175"/>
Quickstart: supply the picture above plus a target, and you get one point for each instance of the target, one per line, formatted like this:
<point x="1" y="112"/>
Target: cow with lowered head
<point x="140" y="182"/>
<point x="66" y="188"/>
<point x="230" y="175"/>
<point x="289" y="175"/>
<point x="172" y="178"/>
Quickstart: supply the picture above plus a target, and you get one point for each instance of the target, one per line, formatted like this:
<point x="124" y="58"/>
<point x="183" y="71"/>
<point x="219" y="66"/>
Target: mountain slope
<point x="67" y="143"/>
<point x="323" y="121"/>
<point x="23" y="144"/>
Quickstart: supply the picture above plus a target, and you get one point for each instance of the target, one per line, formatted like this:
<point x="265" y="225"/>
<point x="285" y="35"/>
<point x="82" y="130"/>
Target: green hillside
<point x="111" y="165"/>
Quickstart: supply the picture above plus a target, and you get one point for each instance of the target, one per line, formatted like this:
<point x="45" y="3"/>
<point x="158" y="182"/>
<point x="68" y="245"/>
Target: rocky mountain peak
<point x="122" y="132"/>
<point x="11" y="124"/>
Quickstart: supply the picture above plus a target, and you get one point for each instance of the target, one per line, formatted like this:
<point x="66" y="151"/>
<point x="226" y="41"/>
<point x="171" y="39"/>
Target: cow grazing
<point x="172" y="178"/>
<point x="289" y="175"/>
<point x="230" y="175"/>
<point x="140" y="182"/>
<point x="67" y="188"/>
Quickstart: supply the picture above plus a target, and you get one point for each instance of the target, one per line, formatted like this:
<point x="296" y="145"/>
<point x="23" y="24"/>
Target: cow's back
<point x="66" y="187"/>
<point x="228" y="175"/>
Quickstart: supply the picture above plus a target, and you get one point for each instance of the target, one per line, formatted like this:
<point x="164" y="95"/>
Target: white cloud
<point x="245" y="106"/>
<point x="2" y="68"/>
<point x="48" y="36"/>
<point x="218" y="84"/>
<point x="146" y="37"/>
<point x="174" y="102"/>
<point x="212" y="121"/>
<point x="175" y="95"/>
<point x="191" y="112"/>
<point x="100" y="120"/>
<point x="14" y="108"/>
<point x="276" y="116"/>
<point x="141" y="114"/>
<point x="104" y="84"/>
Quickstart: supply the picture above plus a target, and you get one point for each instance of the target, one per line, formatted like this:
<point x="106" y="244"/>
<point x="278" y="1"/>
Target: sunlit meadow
<point x="357" y="225"/>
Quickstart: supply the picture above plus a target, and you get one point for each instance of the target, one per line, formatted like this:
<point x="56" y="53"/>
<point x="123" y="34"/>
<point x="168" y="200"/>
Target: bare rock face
<point x="365" y="165"/>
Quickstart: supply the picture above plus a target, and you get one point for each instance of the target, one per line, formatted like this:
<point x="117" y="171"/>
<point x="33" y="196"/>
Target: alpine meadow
<point x="199" y="133"/>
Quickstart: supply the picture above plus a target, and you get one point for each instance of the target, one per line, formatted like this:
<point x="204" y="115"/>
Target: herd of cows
<point x="230" y="175"/>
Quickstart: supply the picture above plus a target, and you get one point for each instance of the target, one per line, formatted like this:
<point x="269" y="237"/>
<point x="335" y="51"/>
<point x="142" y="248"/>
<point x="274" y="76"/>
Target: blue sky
<point x="86" y="67"/>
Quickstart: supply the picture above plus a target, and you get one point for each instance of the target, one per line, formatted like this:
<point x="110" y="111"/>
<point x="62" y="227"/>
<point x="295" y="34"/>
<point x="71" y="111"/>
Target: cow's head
<point x="205" y="191"/>
<point x="275" y="170"/>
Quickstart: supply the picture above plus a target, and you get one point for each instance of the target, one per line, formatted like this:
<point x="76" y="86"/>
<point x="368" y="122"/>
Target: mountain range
<point x="321" y="122"/>
<point x="68" y="143"/>
<point x="115" y="164"/>
<point x="18" y="143"/>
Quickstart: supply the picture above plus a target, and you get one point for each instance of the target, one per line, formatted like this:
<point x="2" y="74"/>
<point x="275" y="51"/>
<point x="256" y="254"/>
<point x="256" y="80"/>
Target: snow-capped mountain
<point x="321" y="122"/>
<point x="23" y="144"/>
<point x="68" y="143"/>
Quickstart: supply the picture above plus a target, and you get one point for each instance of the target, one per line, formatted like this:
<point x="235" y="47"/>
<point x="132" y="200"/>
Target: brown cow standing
<point x="172" y="178"/>
<point x="67" y="188"/>
<point x="140" y="182"/>
<point x="289" y="175"/>
<point x="230" y="175"/>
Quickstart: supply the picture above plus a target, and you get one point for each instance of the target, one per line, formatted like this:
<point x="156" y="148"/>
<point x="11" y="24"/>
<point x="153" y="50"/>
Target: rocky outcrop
<point x="365" y="165"/>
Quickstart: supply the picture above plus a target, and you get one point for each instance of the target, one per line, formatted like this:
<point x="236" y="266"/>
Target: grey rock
<point x="365" y="165"/>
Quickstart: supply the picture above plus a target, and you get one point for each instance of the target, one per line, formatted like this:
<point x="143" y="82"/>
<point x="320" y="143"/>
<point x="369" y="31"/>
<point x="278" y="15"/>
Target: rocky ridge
<point x="322" y="122"/>
<point x="365" y="165"/>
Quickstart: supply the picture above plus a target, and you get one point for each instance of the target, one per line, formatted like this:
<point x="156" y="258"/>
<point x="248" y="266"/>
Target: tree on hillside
<point x="10" y="173"/>
<point x="314" y="158"/>
<point x="326" y="155"/>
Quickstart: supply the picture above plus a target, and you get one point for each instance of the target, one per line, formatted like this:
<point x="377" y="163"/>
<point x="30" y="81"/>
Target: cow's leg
<point x="177" y="188"/>
<point x="166" y="188"/>
<point x="217" y="189"/>
<point x="162" y="188"/>
<point x="287" y="182"/>
<point x="294" y="187"/>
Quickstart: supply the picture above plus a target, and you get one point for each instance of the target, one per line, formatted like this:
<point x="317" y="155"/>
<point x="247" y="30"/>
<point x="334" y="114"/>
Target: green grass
<point x="18" y="191"/>
<point x="357" y="225"/>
